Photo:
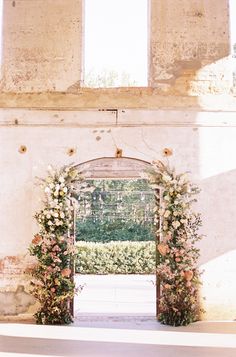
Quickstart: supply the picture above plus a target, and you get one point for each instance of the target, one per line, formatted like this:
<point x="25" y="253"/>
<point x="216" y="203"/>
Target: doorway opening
<point x="116" y="242"/>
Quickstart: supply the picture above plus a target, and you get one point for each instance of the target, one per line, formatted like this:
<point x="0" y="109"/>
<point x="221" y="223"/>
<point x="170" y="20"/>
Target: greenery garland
<point x="177" y="254"/>
<point x="53" y="246"/>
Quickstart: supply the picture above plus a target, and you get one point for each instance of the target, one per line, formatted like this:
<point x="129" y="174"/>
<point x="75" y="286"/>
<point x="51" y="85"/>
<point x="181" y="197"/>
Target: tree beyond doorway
<point x="117" y="210"/>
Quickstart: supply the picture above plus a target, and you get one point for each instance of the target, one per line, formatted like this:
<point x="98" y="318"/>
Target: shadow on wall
<point x="15" y="302"/>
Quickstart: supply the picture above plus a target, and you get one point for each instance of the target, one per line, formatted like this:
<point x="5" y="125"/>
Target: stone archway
<point x="117" y="168"/>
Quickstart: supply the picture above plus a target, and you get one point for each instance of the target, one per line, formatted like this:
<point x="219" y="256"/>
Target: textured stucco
<point x="42" y="42"/>
<point x="186" y="36"/>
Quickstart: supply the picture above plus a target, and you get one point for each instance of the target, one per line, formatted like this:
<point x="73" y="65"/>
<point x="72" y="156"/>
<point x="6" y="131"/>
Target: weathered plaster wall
<point x="191" y="54"/>
<point x="188" y="107"/>
<point x="202" y="143"/>
<point x="42" y="45"/>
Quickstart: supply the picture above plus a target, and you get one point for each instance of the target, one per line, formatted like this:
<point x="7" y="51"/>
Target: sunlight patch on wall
<point x="216" y="151"/>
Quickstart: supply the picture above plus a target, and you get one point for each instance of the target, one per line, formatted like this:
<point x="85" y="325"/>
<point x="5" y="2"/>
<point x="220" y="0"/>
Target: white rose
<point x="166" y="178"/>
<point x="176" y="224"/>
<point x="167" y="213"/>
<point x="49" y="223"/>
<point x="55" y="214"/>
<point x="48" y="216"/>
<point x="61" y="179"/>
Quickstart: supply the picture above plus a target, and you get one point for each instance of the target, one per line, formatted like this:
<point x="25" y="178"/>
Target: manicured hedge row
<point x="116" y="258"/>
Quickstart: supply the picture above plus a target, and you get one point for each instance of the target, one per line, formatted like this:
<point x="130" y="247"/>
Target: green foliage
<point x="108" y="78"/>
<point x="116" y="258"/>
<point x="107" y="231"/>
<point x="116" y="210"/>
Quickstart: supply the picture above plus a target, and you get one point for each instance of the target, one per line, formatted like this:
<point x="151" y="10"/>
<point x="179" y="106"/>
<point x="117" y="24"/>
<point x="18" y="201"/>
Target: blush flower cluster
<point x="177" y="233"/>
<point x="52" y="276"/>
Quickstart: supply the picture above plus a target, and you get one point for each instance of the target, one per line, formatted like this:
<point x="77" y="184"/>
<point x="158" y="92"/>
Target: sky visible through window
<point x="116" y="35"/>
<point x="232" y="4"/>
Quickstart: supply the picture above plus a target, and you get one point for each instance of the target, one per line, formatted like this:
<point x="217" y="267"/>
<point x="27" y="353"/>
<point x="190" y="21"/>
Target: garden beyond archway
<point x="118" y="169"/>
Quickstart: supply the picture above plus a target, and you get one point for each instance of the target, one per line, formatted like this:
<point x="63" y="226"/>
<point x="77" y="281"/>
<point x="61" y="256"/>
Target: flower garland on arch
<point x="177" y="254"/>
<point x="52" y="284"/>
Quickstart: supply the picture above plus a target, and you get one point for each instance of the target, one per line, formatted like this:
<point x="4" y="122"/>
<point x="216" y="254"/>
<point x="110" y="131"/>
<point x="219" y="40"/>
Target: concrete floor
<point x="116" y="294"/>
<point x="129" y="338"/>
<point x="108" y="323"/>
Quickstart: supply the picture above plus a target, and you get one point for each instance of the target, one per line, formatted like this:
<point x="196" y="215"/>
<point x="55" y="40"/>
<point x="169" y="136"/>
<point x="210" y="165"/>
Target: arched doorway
<point x="122" y="168"/>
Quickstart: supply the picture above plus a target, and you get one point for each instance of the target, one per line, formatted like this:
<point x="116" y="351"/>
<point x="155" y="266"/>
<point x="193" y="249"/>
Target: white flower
<point x="57" y="222"/>
<point x="51" y="185"/>
<point x="62" y="215"/>
<point x="55" y="193"/>
<point x="48" y="216"/>
<point x="167" y="213"/>
<point x="166" y="197"/>
<point x="61" y="179"/>
<point x="50" y="223"/>
<point x="55" y="214"/>
<point x="176" y="224"/>
<point x="175" y="213"/>
<point x="47" y="189"/>
<point x="166" y="178"/>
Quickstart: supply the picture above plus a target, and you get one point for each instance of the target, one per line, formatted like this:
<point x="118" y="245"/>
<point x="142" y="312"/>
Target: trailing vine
<point x="177" y="232"/>
<point x="52" y="284"/>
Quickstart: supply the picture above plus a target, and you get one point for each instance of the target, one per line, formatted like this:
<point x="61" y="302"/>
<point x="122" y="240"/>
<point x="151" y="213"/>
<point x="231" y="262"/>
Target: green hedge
<point x="117" y="230"/>
<point x="116" y="258"/>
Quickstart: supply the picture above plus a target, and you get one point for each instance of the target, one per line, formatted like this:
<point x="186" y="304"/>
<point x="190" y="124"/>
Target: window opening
<point x="115" y="43"/>
<point x="232" y="12"/>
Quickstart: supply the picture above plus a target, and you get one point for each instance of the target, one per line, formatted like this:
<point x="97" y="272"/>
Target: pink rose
<point x="66" y="272"/>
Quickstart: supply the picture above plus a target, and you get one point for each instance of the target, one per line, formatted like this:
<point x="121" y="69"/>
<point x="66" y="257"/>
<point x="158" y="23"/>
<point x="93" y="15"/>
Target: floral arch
<point x="176" y="232"/>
